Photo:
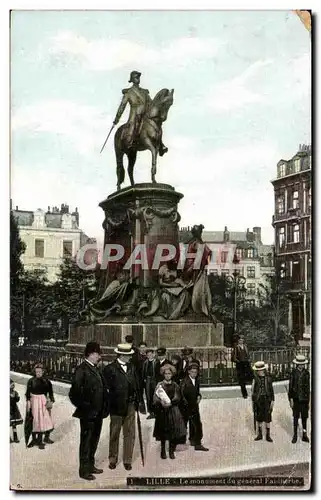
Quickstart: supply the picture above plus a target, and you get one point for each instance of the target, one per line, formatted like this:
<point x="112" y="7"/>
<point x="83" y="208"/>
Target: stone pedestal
<point x="143" y="214"/>
<point x="166" y="333"/>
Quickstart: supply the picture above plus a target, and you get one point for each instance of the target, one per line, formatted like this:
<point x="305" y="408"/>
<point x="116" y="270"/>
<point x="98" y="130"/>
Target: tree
<point x="17" y="248"/>
<point x="72" y="290"/>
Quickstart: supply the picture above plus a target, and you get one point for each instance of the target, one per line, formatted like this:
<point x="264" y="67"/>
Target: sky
<point x="241" y="103"/>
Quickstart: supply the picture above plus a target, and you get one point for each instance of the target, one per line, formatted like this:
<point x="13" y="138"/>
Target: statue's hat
<point x="132" y="74"/>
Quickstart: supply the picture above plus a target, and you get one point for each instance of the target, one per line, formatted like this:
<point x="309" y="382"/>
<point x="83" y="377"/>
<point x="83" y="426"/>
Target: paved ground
<point x="228" y="432"/>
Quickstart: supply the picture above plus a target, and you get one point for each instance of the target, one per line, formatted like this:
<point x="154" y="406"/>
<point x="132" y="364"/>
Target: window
<point x="293" y="233"/>
<point x="67" y="249"/>
<point x="251" y="271"/>
<point x="40" y="248"/>
<point x="281" y="236"/>
<point x="250" y="303"/>
<point x="281" y="170"/>
<point x="239" y="254"/>
<point x="224" y="257"/>
<point x="280" y="204"/>
<point x="295" y="199"/>
<point x="214" y="272"/>
<point x="250" y="288"/>
<point x="282" y="270"/>
<point x="297" y="165"/>
<point x="224" y="272"/>
<point x="250" y="253"/>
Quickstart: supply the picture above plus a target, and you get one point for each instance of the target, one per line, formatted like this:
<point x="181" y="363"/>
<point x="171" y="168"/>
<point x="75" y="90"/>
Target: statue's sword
<point x="107" y="138"/>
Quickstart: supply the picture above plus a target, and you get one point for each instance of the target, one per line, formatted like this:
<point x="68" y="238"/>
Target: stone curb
<point x="226" y="392"/>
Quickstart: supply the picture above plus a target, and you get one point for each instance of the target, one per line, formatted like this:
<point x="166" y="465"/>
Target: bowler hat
<point x="132" y="74"/>
<point x="125" y="349"/>
<point x="300" y="360"/>
<point x="92" y="347"/>
<point x="161" y="350"/>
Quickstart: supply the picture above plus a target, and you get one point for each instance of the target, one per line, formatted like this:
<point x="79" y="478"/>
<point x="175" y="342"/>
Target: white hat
<point x="125" y="349"/>
<point x="259" y="366"/>
<point x="300" y="360"/>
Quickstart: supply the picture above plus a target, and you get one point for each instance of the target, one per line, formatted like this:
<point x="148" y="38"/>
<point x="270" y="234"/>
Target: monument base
<point x="168" y="334"/>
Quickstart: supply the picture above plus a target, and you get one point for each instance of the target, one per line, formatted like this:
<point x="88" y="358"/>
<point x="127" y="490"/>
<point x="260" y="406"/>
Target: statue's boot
<point x="162" y="150"/>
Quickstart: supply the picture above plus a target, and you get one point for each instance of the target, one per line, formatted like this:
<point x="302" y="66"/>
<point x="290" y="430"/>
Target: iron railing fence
<point x="217" y="369"/>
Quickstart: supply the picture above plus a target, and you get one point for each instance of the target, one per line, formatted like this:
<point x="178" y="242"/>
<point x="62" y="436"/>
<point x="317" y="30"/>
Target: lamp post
<point x="236" y="282"/>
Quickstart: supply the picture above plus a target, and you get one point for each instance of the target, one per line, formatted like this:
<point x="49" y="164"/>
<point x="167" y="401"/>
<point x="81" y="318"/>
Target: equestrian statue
<point x="143" y="130"/>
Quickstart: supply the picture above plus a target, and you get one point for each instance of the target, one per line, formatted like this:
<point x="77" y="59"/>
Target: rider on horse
<point x="139" y="101"/>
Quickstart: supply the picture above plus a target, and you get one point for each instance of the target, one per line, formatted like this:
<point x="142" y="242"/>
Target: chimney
<point x="48" y="209"/>
<point x="17" y="208"/>
<point x="226" y="234"/>
<point x="257" y="232"/>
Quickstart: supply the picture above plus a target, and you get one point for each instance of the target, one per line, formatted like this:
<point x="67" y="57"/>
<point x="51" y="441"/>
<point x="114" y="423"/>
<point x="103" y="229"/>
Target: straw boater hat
<point x="300" y="360"/>
<point x="259" y="366"/>
<point x="125" y="349"/>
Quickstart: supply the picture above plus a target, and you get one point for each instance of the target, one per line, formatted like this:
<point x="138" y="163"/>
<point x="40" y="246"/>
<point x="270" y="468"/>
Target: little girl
<point x="15" y="416"/>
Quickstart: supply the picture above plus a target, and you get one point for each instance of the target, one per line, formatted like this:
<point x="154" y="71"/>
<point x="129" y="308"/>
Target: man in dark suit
<point x="299" y="396"/>
<point x="191" y="397"/>
<point x="187" y="359"/>
<point x="161" y="360"/>
<point x="241" y="357"/>
<point x="124" y="397"/>
<point x="89" y="394"/>
<point x="149" y="380"/>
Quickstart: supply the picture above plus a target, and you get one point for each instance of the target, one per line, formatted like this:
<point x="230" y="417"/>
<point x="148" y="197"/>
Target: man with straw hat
<point x="299" y="396"/>
<point x="263" y="399"/>
<point x="125" y="397"/>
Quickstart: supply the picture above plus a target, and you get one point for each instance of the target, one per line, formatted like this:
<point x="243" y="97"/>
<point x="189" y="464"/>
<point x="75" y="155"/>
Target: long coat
<point x="169" y="423"/>
<point x="121" y="385"/>
<point x="89" y="392"/>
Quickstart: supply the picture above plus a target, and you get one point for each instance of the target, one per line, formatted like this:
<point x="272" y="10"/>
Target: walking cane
<point x="254" y="415"/>
<point x="140" y="438"/>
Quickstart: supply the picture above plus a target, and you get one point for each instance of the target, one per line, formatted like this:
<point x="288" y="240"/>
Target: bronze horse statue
<point x="149" y="137"/>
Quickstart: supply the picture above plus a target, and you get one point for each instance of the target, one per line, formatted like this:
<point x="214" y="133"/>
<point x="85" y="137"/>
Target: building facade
<point x="49" y="237"/>
<point x="241" y="251"/>
<point x="292" y="225"/>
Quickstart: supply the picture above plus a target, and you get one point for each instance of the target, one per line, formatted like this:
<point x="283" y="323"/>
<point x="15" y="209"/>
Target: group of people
<point x="39" y="403"/>
<point x="263" y="392"/>
<point x="172" y="392"/>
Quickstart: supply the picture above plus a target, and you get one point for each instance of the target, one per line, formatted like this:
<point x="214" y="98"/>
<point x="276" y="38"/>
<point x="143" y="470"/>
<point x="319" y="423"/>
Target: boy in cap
<point x="89" y="394"/>
<point x="125" y="398"/>
<point x="299" y="396"/>
<point x="263" y="399"/>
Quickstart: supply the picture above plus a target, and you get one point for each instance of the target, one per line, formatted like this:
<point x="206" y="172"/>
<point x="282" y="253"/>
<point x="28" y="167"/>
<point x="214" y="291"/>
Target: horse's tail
<point x="119" y="156"/>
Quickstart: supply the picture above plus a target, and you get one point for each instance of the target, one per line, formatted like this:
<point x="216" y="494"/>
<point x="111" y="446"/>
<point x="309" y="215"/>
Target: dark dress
<point x="15" y="415"/>
<point x="169" y="423"/>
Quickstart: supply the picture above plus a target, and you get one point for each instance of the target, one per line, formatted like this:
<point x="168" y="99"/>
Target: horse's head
<point x="161" y="104"/>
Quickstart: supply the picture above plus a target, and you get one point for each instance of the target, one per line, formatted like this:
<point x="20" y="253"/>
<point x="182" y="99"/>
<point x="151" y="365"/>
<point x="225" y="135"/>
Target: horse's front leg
<point x="154" y="163"/>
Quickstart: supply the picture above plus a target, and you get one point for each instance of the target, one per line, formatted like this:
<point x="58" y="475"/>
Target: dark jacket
<point x="89" y="393"/>
<point x="184" y="369"/>
<point x="39" y="386"/>
<point x="299" y="391"/>
<point x="190" y="393"/>
<point x="158" y="366"/>
<point x="240" y="355"/>
<point x="145" y="366"/>
<point x="256" y="392"/>
<point x="123" y="388"/>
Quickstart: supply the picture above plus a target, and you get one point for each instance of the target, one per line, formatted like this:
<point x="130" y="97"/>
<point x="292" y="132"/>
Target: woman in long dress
<point x="40" y="399"/>
<point x="169" y="423"/>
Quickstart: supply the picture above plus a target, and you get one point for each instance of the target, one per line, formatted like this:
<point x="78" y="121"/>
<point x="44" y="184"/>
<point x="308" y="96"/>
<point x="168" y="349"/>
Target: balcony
<point x="292" y="247"/>
<point x="289" y="285"/>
